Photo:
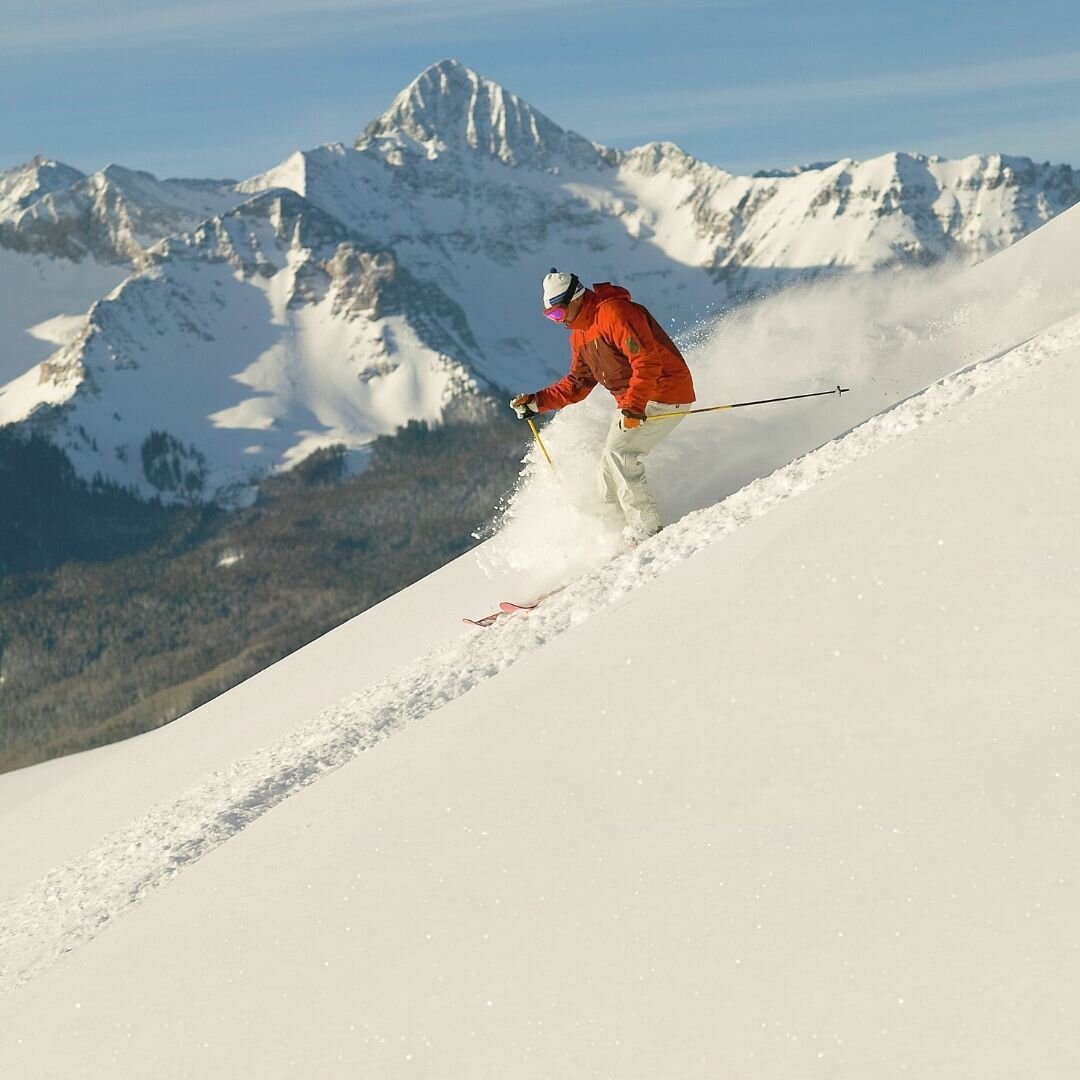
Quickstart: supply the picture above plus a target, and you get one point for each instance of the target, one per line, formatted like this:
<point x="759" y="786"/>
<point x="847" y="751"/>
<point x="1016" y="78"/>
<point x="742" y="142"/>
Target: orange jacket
<point x="618" y="344"/>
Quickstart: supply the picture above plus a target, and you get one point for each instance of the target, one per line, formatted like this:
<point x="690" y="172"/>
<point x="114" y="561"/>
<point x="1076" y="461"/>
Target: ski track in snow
<point x="75" y="901"/>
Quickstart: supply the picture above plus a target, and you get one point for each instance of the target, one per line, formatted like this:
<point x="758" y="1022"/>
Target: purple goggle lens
<point x="555" y="314"/>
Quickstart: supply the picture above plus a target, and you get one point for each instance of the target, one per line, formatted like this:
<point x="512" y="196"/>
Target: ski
<point x="505" y="608"/>
<point x="487" y="620"/>
<point x="509" y="607"/>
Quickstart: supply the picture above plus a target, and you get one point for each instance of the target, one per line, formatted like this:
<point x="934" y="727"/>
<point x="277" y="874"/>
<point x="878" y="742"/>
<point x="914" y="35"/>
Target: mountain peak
<point x="450" y="108"/>
<point x="41" y="165"/>
<point x="40" y="176"/>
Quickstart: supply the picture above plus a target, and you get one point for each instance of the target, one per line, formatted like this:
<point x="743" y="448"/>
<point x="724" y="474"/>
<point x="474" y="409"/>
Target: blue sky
<point x="229" y="88"/>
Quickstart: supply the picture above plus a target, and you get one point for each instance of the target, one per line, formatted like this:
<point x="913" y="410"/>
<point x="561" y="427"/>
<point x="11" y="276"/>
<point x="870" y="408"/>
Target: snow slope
<point x="789" y="790"/>
<point x="43" y="305"/>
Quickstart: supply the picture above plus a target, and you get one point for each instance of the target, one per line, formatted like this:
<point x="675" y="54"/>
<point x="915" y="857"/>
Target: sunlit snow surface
<point x="789" y="790"/>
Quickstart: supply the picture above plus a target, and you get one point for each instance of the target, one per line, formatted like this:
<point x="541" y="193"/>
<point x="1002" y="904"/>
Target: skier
<point x="618" y="344"/>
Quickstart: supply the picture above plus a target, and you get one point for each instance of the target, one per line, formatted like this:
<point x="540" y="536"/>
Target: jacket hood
<point x="600" y="293"/>
<point x="606" y="291"/>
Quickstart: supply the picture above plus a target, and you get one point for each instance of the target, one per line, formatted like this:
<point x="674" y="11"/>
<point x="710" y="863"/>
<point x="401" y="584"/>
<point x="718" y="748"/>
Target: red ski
<point x="509" y="607"/>
<point x="487" y="620"/>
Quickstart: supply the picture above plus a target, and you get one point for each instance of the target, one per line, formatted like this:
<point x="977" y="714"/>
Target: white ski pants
<point x="620" y="478"/>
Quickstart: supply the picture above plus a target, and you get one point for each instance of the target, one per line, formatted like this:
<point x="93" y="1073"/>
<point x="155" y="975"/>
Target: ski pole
<point x="742" y="404"/>
<point x="540" y="442"/>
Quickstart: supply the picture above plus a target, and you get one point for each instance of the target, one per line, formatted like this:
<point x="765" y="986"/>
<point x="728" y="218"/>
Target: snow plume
<point x="551" y="528"/>
<point x="885" y="336"/>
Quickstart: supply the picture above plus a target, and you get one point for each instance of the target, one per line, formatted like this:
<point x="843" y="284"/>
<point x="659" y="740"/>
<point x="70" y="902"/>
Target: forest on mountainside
<point x="119" y="615"/>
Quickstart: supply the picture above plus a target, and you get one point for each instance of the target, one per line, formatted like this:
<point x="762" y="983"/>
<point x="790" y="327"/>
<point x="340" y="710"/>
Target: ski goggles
<point x="557" y="310"/>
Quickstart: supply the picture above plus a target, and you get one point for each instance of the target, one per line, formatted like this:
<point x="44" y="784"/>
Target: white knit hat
<point x="560" y="288"/>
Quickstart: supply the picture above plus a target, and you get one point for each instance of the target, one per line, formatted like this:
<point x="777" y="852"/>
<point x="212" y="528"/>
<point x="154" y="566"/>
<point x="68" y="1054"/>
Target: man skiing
<point x="618" y="344"/>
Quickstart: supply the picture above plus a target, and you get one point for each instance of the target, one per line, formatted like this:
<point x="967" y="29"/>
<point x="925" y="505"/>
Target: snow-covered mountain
<point x="67" y="239"/>
<point x="114" y="215"/>
<point x="22" y="187"/>
<point x="788" y="790"/>
<point x="470" y="194"/>
<point x="263" y="335"/>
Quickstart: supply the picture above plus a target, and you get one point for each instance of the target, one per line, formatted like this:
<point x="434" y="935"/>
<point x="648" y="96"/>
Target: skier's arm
<point x="571" y="388"/>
